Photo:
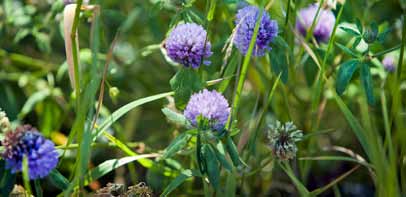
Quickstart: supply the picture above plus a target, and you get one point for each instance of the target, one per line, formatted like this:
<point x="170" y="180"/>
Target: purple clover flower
<point x="245" y="21"/>
<point x="27" y="141"/>
<point x="389" y="63"/>
<point x="324" y="23"/>
<point x="187" y="45"/>
<point x="209" y="104"/>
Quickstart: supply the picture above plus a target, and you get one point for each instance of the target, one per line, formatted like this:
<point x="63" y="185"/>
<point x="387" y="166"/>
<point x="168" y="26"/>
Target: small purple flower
<point x="209" y="104"/>
<point x="245" y="21"/>
<point x="187" y="45"/>
<point x="27" y="141"/>
<point x="389" y="63"/>
<point x="324" y="23"/>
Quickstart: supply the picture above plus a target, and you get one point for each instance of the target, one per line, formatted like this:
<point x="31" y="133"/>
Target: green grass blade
<point x="112" y="164"/>
<point x="354" y="124"/>
<point x="126" y="108"/>
<point x="337" y="158"/>
<point x="299" y="185"/>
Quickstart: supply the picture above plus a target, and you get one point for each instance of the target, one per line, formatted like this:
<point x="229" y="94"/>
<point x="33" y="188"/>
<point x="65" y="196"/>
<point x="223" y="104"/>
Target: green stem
<point x="402" y="49"/>
<point x="245" y="65"/>
<point x="386" y="51"/>
<point x="320" y="77"/>
<point x="75" y="52"/>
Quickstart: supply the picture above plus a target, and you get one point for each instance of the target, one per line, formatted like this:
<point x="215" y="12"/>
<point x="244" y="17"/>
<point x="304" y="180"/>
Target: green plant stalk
<point x="320" y="77"/>
<point x="380" y="53"/>
<point x="287" y="14"/>
<point x="26" y="176"/>
<point x="309" y="32"/>
<point x="75" y="53"/>
<point x="245" y="65"/>
<point x="388" y="136"/>
<point x="397" y="107"/>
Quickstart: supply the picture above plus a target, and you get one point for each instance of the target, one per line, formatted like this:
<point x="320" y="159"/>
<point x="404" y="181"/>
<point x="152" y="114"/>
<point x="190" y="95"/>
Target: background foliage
<point x="341" y="130"/>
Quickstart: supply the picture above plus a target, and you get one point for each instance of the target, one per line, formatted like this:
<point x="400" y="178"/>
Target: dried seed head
<point x="283" y="138"/>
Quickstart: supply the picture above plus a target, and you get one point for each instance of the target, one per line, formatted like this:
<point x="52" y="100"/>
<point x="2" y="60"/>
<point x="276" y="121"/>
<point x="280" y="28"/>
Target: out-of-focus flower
<point x="187" y="45"/>
<point x="210" y="105"/>
<point x="66" y="2"/>
<point x="245" y="21"/>
<point x="26" y="141"/>
<point x="389" y="63"/>
<point x="4" y="122"/>
<point x="283" y="138"/>
<point x="324" y="23"/>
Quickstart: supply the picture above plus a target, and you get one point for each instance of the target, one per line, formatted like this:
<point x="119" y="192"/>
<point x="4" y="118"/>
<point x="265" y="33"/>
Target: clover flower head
<point x="389" y="63"/>
<point x="324" y="23"/>
<point x="187" y="45"/>
<point x="245" y="21"/>
<point x="283" y="138"/>
<point x="210" y="105"/>
<point x="27" y="141"/>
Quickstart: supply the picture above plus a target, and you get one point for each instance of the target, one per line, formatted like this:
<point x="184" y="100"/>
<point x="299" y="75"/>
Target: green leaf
<point x="350" y="31"/>
<point x="356" y="42"/>
<point x="184" y="83"/>
<point x="182" y="177"/>
<point x="126" y="108"/>
<point x="347" y="50"/>
<point x="359" y="25"/>
<point x="177" y="144"/>
<point x="232" y="151"/>
<point x="110" y="165"/>
<point x="212" y="9"/>
<point x="220" y="154"/>
<point x="143" y="161"/>
<point x="279" y="58"/>
<point x="38" y="189"/>
<point x="366" y="79"/>
<point x="231" y="185"/>
<point x="58" y="180"/>
<point x="345" y="74"/>
<point x="176" y="118"/>
<point x="212" y="165"/>
<point x="7" y="180"/>
<point x="32" y="100"/>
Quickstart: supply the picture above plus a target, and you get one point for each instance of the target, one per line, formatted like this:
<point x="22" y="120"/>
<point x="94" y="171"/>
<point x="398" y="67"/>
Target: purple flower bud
<point x="27" y="141"/>
<point x="324" y="23"/>
<point x="209" y="104"/>
<point x="245" y="21"/>
<point x="389" y="63"/>
<point x="187" y="45"/>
